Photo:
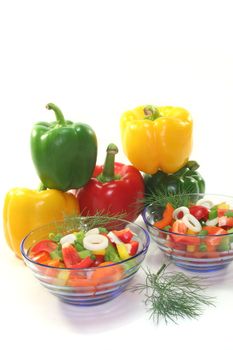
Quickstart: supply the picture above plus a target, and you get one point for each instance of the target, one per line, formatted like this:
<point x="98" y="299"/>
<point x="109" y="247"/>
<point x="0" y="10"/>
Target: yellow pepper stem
<point x="151" y="112"/>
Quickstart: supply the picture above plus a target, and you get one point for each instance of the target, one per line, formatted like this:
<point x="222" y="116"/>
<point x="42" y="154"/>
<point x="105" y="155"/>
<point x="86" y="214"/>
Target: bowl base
<point x="93" y="301"/>
<point x="201" y="269"/>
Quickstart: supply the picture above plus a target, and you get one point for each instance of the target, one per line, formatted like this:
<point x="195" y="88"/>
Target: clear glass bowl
<point x="90" y="286"/>
<point x="184" y="254"/>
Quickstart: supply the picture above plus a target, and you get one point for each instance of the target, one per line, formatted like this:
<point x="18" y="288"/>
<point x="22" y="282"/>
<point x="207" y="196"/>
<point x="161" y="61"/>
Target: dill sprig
<point x="173" y="295"/>
<point x="101" y="218"/>
<point x="162" y="196"/>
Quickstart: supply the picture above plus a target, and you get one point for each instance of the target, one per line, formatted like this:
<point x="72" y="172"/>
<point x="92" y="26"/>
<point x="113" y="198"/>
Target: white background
<point x="96" y="59"/>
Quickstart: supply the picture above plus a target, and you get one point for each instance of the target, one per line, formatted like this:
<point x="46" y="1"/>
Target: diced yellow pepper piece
<point x="99" y="252"/>
<point x="190" y="232"/>
<point x="190" y="248"/>
<point x="122" y="251"/>
<point x="62" y="277"/>
<point x="223" y="206"/>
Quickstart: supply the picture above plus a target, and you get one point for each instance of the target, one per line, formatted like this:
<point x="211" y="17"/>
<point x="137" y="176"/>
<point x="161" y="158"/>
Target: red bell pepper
<point x="124" y="235"/>
<point x="214" y="235"/>
<point x="45" y="245"/>
<point x="133" y="247"/>
<point x="70" y="256"/>
<point x="167" y="217"/>
<point x="115" y="188"/>
<point x="225" y="221"/>
<point x="199" y="212"/>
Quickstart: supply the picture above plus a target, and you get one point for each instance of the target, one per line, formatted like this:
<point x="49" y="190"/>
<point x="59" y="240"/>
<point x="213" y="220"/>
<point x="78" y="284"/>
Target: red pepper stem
<point x="108" y="170"/>
<point x="58" y="113"/>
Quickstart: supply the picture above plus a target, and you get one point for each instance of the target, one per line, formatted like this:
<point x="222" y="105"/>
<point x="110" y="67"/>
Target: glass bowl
<point x="88" y="286"/>
<point x="186" y="250"/>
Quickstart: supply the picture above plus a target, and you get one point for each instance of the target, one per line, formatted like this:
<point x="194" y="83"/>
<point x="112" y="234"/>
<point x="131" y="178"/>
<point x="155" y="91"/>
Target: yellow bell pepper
<point x="122" y="251"/>
<point x="157" y="138"/>
<point x="25" y="210"/>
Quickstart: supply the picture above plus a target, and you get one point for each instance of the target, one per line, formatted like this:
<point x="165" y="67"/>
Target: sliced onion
<point x="212" y="222"/>
<point x="205" y="203"/>
<point x="68" y="239"/>
<point x="191" y="222"/>
<point x="176" y="212"/>
<point x="95" y="242"/>
<point x="93" y="231"/>
<point x="114" y="238"/>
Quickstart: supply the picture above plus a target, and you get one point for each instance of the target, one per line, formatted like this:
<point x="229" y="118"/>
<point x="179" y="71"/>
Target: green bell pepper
<point x="185" y="180"/>
<point x="64" y="153"/>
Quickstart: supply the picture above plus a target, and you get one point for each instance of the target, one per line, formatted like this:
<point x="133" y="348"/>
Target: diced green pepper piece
<point x="224" y="245"/>
<point x="203" y="233"/>
<point x="103" y="230"/>
<point x="230" y="231"/>
<point x="84" y="253"/>
<point x="78" y="246"/>
<point x="79" y="237"/>
<point x="202" y="247"/>
<point x="55" y="238"/>
<point x="213" y="214"/>
<point x="167" y="228"/>
<point x="57" y="253"/>
<point x="111" y="254"/>
<point x="229" y="213"/>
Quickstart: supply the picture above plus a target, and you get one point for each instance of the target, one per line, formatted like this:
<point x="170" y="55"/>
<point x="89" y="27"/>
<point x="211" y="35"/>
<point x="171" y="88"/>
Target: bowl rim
<point x="144" y="250"/>
<point x="143" y="214"/>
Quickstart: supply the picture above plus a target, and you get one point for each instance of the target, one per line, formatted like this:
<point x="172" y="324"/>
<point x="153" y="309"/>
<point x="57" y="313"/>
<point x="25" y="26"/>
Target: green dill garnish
<point x="173" y="295"/>
<point x="161" y="197"/>
<point x="76" y="222"/>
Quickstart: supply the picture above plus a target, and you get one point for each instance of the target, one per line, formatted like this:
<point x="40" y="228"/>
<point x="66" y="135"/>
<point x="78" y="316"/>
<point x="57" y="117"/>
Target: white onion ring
<point x="176" y="212"/>
<point x="212" y="222"/>
<point x="95" y="242"/>
<point x="191" y="222"/>
<point x="93" y="231"/>
<point x="68" y="239"/>
<point x="114" y="238"/>
<point x="205" y="203"/>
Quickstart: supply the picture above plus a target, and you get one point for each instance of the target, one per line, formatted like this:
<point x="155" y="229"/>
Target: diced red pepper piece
<point x="99" y="259"/>
<point x="225" y="221"/>
<point x="183" y="237"/>
<point x="213" y="231"/>
<point x="70" y="256"/>
<point x="199" y="212"/>
<point x="84" y="263"/>
<point x="134" y="247"/>
<point x="167" y="217"/>
<point x="124" y="235"/>
<point x="46" y="245"/>
<point x="221" y="212"/>
<point x="41" y="257"/>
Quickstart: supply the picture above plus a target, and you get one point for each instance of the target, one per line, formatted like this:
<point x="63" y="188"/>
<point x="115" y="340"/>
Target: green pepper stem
<point x="108" y="170"/>
<point x="151" y="112"/>
<point x="192" y="165"/>
<point x="41" y="187"/>
<point x="58" y="113"/>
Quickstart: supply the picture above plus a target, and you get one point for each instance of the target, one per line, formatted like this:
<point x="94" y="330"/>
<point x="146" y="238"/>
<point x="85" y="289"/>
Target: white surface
<point x="96" y="59"/>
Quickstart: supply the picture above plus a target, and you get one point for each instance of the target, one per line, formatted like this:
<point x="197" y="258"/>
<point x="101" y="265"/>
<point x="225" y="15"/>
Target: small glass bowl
<point x="180" y="249"/>
<point x="89" y="286"/>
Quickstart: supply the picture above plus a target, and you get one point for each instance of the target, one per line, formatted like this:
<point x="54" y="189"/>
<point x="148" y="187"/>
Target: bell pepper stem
<point x="41" y="187"/>
<point x="151" y="112"/>
<point x="192" y="165"/>
<point x="108" y="170"/>
<point x="58" y="113"/>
